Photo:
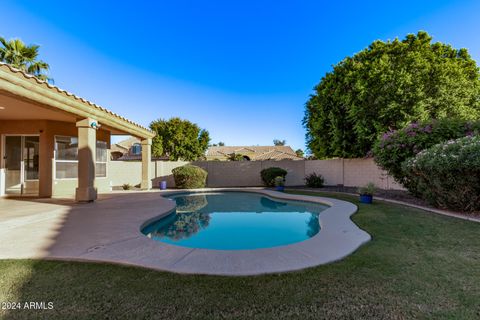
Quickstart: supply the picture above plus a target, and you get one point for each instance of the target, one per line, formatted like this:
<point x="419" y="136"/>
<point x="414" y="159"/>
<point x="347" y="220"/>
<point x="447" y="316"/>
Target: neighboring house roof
<point x="276" y="155"/>
<point x="124" y="147"/>
<point x="254" y="152"/>
<point x="75" y="104"/>
<point x="138" y="157"/>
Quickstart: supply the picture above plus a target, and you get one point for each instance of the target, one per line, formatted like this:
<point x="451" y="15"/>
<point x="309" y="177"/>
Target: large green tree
<point x="179" y="139"/>
<point x="385" y="87"/>
<point x="24" y="57"/>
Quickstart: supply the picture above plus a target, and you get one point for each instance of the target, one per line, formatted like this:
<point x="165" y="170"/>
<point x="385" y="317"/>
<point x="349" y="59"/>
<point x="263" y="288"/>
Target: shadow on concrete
<point x="36" y="228"/>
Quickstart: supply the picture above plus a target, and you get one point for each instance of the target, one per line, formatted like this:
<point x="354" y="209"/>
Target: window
<point x="101" y="159"/>
<point x="136" y="149"/>
<point x="66" y="158"/>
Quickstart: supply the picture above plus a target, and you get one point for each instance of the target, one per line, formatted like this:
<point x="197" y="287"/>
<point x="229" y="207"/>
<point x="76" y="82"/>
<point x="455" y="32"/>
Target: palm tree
<point x="24" y="57"/>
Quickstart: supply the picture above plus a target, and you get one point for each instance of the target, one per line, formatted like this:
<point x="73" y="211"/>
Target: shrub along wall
<point x="395" y="147"/>
<point x="349" y="172"/>
<point x="448" y="174"/>
<point x="189" y="177"/>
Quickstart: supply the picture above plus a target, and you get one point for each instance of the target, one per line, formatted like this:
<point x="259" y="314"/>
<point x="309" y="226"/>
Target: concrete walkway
<point x="109" y="231"/>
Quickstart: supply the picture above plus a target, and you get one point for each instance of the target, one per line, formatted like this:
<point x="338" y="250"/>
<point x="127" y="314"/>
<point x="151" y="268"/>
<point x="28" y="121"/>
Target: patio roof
<point x="45" y="99"/>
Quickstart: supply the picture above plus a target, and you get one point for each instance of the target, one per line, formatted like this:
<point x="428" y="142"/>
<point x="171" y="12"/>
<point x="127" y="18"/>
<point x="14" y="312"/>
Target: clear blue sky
<point x="241" y="69"/>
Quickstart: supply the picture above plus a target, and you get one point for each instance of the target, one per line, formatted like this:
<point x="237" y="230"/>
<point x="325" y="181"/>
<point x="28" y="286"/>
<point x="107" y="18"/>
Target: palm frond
<point x="24" y="57"/>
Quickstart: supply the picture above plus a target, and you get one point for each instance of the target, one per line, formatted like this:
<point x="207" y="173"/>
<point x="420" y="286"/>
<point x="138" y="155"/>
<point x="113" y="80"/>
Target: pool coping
<point x="338" y="238"/>
<point x="109" y="231"/>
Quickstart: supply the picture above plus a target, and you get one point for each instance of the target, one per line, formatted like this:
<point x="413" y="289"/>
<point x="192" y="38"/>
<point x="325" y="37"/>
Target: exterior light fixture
<point x="95" y="125"/>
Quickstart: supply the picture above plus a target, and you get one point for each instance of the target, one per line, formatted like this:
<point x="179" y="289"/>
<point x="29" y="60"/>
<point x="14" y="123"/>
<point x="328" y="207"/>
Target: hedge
<point x="447" y="175"/>
<point x="268" y="175"/>
<point x="190" y="177"/>
<point x="393" y="148"/>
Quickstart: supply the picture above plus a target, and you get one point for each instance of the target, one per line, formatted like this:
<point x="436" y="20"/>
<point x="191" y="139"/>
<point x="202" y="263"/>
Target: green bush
<point x="368" y="189"/>
<point x="279" y="181"/>
<point x="448" y="174"/>
<point x="268" y="175"/>
<point x="236" y="157"/>
<point x="386" y="86"/>
<point x="314" y="180"/>
<point x="189" y="177"/>
<point x="395" y="147"/>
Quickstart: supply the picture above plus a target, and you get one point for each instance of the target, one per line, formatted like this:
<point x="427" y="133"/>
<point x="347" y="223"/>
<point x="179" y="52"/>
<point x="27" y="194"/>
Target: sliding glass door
<point x="21" y="159"/>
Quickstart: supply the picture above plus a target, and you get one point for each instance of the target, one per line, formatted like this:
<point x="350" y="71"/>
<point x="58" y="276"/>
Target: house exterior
<point x="252" y="153"/>
<point x="130" y="150"/>
<point x="56" y="144"/>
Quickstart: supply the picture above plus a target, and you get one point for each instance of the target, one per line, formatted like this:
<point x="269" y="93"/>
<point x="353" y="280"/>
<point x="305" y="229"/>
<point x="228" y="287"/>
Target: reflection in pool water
<point x="235" y="220"/>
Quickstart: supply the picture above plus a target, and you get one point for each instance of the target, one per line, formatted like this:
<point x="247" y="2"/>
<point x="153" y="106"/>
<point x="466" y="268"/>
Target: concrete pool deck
<point x="109" y="231"/>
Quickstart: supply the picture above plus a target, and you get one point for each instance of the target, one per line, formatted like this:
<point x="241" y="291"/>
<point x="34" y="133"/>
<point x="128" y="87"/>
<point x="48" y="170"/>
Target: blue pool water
<point x="235" y="221"/>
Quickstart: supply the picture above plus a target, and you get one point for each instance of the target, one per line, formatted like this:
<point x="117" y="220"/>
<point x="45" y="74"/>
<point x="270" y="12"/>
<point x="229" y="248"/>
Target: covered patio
<point x="55" y="144"/>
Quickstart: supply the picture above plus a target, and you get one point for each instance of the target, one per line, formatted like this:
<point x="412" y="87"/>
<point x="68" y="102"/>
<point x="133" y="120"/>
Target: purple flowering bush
<point x="393" y="148"/>
<point x="447" y="175"/>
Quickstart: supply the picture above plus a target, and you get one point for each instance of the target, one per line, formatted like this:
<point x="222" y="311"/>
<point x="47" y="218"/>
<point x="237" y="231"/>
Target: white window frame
<point x="63" y="161"/>
<point x="102" y="162"/>
<point x="76" y="161"/>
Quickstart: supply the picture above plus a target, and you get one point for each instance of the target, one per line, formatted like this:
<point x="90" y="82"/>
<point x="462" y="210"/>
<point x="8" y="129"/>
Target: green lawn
<point x="418" y="265"/>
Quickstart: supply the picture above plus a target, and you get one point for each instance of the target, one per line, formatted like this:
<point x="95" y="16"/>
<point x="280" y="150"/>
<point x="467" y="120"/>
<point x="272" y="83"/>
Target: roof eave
<point x="48" y="95"/>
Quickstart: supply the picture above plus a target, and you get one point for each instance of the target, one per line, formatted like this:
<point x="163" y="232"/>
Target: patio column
<point x="146" y="164"/>
<point x="87" y="145"/>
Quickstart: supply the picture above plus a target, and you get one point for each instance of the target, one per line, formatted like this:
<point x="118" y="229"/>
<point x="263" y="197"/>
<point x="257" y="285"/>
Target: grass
<point x="418" y="265"/>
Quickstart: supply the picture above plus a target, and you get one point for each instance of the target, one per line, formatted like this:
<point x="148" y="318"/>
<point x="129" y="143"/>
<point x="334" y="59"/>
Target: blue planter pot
<point x="163" y="185"/>
<point x="280" y="188"/>
<point x="365" y="198"/>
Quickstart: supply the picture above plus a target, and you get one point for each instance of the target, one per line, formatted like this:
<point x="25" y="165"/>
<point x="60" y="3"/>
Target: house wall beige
<point x="48" y="186"/>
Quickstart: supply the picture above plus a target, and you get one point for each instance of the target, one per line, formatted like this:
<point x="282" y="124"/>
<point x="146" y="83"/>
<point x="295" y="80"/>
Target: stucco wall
<point x="351" y="172"/>
<point x="331" y="170"/>
<point x="47" y="130"/>
<point x="121" y="172"/>
<point x="232" y="173"/>
<point x="348" y="172"/>
<point x="162" y="170"/>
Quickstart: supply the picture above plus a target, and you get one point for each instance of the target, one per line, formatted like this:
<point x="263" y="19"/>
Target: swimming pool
<point x="235" y="221"/>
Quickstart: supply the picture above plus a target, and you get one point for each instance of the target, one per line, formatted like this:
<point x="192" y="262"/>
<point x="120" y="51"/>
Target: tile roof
<point x="8" y="67"/>
<point x="275" y="155"/>
<point x="138" y="157"/>
<point x="255" y="152"/>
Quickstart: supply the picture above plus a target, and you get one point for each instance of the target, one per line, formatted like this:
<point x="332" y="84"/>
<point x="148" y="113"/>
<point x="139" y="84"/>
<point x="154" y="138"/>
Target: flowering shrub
<point x="448" y="174"/>
<point x="393" y="148"/>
